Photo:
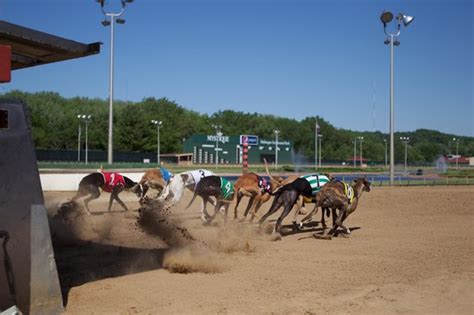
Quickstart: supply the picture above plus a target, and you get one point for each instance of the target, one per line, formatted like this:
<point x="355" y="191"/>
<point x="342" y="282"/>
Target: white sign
<point x="215" y="138"/>
<point x="272" y="142"/>
<point x="251" y="140"/>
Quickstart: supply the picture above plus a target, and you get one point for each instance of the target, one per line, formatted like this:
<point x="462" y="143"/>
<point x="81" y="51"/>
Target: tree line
<point x="55" y="126"/>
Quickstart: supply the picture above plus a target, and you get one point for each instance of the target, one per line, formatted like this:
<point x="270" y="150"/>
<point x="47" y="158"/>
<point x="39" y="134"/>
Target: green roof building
<point x="228" y="149"/>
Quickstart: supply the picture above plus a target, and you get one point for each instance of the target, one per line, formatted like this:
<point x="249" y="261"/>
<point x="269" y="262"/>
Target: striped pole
<point x="245" y="159"/>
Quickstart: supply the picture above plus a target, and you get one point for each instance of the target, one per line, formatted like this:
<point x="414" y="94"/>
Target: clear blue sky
<point x="290" y="58"/>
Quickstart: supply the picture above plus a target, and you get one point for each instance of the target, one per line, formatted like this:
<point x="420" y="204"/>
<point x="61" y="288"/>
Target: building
<point x="228" y="149"/>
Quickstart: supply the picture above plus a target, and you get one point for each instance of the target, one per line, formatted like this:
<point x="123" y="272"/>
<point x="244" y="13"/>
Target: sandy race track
<point x="411" y="251"/>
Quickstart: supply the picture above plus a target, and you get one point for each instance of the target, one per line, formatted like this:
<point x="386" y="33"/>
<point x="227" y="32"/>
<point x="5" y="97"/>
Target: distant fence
<point x="93" y="156"/>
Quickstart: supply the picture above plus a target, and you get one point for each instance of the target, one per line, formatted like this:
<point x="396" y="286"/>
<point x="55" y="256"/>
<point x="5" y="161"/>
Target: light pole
<point x="392" y="40"/>
<point x="405" y="140"/>
<point x="355" y="151"/>
<point x="320" y="136"/>
<point x="158" y="124"/>
<point x="86" y="119"/>
<point x="316" y="131"/>
<point x="114" y="17"/>
<point x="457" y="152"/>
<point x="361" y="139"/>
<point x="277" y="132"/>
<point x="79" y="139"/>
<point x="218" y="135"/>
<point x="385" y="143"/>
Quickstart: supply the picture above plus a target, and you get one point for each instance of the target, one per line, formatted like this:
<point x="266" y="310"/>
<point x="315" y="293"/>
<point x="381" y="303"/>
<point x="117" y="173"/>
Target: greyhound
<point x="257" y="188"/>
<point x="156" y="178"/>
<point x="189" y="180"/>
<point x="113" y="183"/>
<point x="306" y="186"/>
<point x="338" y="195"/>
<point x="218" y="187"/>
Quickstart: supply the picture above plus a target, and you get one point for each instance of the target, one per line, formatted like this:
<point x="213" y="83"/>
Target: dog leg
<point x="204" y="215"/>
<point x="225" y="212"/>
<point x="114" y="195"/>
<point x="216" y="211"/>
<point x="239" y="198"/>
<point x="288" y="205"/>
<point x="249" y="206"/>
<point x="257" y="204"/>
<point x="94" y="194"/>
<point x="277" y="203"/>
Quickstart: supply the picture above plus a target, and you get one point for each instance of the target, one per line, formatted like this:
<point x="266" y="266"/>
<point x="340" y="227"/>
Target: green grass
<point x="465" y="172"/>
<point x="221" y="169"/>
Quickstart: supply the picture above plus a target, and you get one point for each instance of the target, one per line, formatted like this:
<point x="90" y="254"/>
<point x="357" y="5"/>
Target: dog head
<point x="138" y="190"/>
<point x="364" y="182"/>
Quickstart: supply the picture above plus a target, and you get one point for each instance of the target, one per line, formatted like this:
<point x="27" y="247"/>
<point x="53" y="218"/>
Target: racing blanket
<point x="316" y="181"/>
<point x="200" y="174"/>
<point x="349" y="191"/>
<point x="111" y="180"/>
<point x="227" y="188"/>
<point x="264" y="185"/>
<point x="166" y="174"/>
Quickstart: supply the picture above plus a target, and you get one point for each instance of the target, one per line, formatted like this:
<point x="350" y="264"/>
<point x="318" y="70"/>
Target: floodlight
<point x="105" y="23"/>
<point x="120" y="21"/>
<point x="407" y="19"/>
<point x="386" y="17"/>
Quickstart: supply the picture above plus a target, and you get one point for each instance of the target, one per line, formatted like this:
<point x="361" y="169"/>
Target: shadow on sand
<point x="89" y="261"/>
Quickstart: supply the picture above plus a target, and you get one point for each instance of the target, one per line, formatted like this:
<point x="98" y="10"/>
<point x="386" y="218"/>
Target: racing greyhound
<point x="217" y="187"/>
<point x="306" y="186"/>
<point x="113" y="183"/>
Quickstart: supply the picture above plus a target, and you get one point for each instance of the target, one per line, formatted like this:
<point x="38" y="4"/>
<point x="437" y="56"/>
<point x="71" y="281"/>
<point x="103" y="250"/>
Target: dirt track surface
<point x="413" y="253"/>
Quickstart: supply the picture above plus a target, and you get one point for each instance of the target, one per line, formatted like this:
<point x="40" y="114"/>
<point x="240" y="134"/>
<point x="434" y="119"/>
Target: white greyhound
<point x="179" y="182"/>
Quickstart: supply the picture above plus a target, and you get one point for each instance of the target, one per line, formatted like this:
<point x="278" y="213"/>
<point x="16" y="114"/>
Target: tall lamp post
<point x="320" y="136"/>
<point x="277" y="132"/>
<point x="392" y="40"/>
<point x="114" y="17"/>
<point x="457" y="152"/>
<point x="316" y="132"/>
<point x="218" y="135"/>
<point x="86" y="119"/>
<point x="361" y="139"/>
<point x="355" y="151"/>
<point x="405" y="140"/>
<point x="79" y="139"/>
<point x="158" y="124"/>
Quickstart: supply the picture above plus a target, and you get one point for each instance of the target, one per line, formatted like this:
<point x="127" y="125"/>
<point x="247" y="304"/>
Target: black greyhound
<point x="114" y="183"/>
<point x="217" y="187"/>
<point x="287" y="196"/>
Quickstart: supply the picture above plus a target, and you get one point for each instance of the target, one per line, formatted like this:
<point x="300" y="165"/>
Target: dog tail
<point x="278" y="191"/>
<point x="192" y="200"/>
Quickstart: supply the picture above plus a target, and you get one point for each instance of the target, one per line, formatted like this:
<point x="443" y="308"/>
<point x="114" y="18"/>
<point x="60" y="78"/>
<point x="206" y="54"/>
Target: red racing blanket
<point x="111" y="180"/>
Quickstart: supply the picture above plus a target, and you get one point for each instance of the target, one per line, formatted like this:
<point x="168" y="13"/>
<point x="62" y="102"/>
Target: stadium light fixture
<point x="392" y="40"/>
<point x="405" y="140"/>
<point x="277" y="132"/>
<point x="114" y="17"/>
<point x="158" y="124"/>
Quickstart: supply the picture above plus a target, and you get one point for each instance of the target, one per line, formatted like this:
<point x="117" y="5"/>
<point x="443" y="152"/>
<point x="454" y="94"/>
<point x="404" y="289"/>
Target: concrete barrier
<point x="70" y="181"/>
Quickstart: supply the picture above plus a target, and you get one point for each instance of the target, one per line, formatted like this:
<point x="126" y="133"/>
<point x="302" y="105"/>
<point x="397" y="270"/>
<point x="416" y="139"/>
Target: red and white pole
<point x="245" y="157"/>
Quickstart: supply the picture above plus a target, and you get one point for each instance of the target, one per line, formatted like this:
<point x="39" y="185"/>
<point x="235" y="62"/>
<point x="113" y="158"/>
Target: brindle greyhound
<point x="217" y="187"/>
<point x="114" y="183"/>
<point x="334" y="195"/>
